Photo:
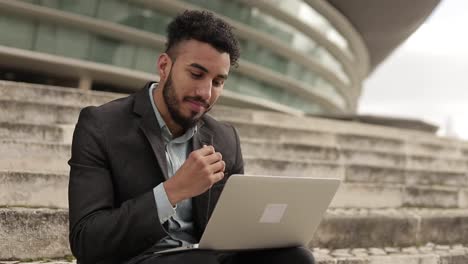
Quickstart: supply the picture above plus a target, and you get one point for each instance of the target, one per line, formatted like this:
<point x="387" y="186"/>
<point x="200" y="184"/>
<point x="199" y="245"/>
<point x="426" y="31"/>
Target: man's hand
<point x="203" y="168"/>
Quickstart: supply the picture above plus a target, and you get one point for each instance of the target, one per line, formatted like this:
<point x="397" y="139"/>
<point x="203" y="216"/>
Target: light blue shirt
<point x="179" y="220"/>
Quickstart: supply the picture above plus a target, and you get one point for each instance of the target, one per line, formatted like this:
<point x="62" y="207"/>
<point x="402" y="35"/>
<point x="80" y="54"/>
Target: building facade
<point x="297" y="56"/>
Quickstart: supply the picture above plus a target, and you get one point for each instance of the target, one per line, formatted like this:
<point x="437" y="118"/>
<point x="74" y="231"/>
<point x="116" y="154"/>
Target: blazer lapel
<point x="201" y="202"/>
<point x="203" y="137"/>
<point x="150" y="127"/>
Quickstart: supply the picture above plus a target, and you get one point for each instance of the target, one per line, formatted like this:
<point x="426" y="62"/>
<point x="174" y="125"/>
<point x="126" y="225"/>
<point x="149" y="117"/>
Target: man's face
<point x="195" y="81"/>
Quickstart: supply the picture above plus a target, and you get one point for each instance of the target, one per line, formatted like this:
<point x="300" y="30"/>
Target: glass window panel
<point x="310" y="78"/>
<point x="83" y="7"/>
<point x="104" y="49"/>
<point x="232" y="82"/>
<point x="72" y="43"/>
<point x="235" y="10"/>
<point x="281" y="30"/>
<point x="46" y="38"/>
<point x="50" y="3"/>
<point x="17" y="32"/>
<point x="245" y="85"/>
<point x="112" y="10"/>
<point x="124" y="55"/>
<point x="314" y="19"/>
<point x="119" y="12"/>
<point x="155" y="22"/>
<point x="145" y="59"/>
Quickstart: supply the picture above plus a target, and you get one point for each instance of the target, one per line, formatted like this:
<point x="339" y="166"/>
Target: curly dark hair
<point x="205" y="27"/>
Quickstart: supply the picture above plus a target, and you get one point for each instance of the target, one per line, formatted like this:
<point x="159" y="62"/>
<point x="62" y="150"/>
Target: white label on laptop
<point x="273" y="213"/>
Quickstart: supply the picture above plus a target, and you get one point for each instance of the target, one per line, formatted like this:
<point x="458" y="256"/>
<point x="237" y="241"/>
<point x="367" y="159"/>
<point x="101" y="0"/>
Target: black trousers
<point x="297" y="255"/>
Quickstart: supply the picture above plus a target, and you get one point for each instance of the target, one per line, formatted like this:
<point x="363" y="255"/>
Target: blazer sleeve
<point x="98" y="229"/>
<point x="238" y="167"/>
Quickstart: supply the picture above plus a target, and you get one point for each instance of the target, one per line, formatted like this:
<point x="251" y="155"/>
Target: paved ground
<point x="427" y="254"/>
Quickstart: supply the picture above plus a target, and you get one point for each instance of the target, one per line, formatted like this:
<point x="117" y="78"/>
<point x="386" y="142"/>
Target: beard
<point x="173" y="106"/>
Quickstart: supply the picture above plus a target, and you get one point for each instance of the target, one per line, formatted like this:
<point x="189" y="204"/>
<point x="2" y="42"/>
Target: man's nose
<point x="204" y="90"/>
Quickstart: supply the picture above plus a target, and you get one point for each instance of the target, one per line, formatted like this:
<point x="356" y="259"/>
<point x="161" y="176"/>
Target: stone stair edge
<point x="342" y="128"/>
<point x="21" y="123"/>
<point x="34" y="142"/>
<point x="431" y="187"/>
<point x="330" y="233"/>
<point x="389" y="212"/>
<point x="13" y="85"/>
<point x="345" y="178"/>
<point x="42" y="104"/>
<point x="413" y="212"/>
<point x="401" y="211"/>
<point x="347" y="256"/>
<point x="438" y="254"/>
<point x="56" y="146"/>
<point x="340" y="149"/>
<point x="351" y="165"/>
<point x="408" y="193"/>
<point x="244" y="139"/>
<point x="32" y="172"/>
<point x="396" y="255"/>
<point x="379" y="150"/>
<point x="315" y="119"/>
<point x="373" y="166"/>
<point x="404" y="140"/>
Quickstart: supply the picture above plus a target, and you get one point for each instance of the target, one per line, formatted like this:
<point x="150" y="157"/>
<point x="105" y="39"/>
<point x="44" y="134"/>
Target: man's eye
<point x="217" y="83"/>
<point x="196" y="75"/>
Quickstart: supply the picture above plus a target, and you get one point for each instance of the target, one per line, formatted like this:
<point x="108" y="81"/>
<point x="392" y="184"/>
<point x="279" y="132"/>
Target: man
<point x="148" y="169"/>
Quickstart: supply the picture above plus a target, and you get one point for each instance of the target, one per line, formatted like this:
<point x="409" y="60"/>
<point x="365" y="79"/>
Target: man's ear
<point x="164" y="66"/>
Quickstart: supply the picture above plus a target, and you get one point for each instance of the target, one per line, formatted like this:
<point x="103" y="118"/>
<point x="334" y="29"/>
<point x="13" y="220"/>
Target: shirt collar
<point x="166" y="133"/>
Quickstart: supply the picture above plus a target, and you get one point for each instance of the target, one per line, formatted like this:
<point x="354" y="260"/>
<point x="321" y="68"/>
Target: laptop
<point x="264" y="212"/>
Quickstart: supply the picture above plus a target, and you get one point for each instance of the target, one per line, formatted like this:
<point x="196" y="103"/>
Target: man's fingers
<point x="206" y="150"/>
<point x="213" y="158"/>
<point x="218" y="166"/>
<point x="218" y="176"/>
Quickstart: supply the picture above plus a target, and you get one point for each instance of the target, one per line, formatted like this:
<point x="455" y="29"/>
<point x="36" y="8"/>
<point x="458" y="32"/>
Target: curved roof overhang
<point x="384" y="24"/>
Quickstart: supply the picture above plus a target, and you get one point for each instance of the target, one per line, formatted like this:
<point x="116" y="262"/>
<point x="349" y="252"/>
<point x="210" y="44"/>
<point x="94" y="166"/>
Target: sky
<point x="427" y="76"/>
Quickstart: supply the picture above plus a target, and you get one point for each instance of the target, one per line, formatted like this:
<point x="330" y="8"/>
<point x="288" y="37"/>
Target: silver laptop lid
<point x="255" y="212"/>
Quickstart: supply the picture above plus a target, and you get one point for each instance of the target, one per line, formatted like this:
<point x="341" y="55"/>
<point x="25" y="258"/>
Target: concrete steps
<point x="34" y="132"/>
<point x="25" y="106"/>
<point x="365" y="185"/>
<point x="343" y="228"/>
<point x="42" y="232"/>
<point x="345" y="134"/>
<point x="16" y="91"/>
<point x="34" y="156"/>
<point x="40" y="261"/>
<point x="33" y="189"/>
<point x="29" y="233"/>
<point x="49" y="189"/>
<point x="381" y="214"/>
<point x="269" y="130"/>
<point x="27" y="112"/>
<point x="251" y="123"/>
<point x="427" y="254"/>
<point x="269" y="150"/>
<point x="346" y="155"/>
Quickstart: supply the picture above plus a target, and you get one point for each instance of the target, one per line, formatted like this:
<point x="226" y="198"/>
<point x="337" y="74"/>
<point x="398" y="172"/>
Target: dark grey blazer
<point x="117" y="159"/>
